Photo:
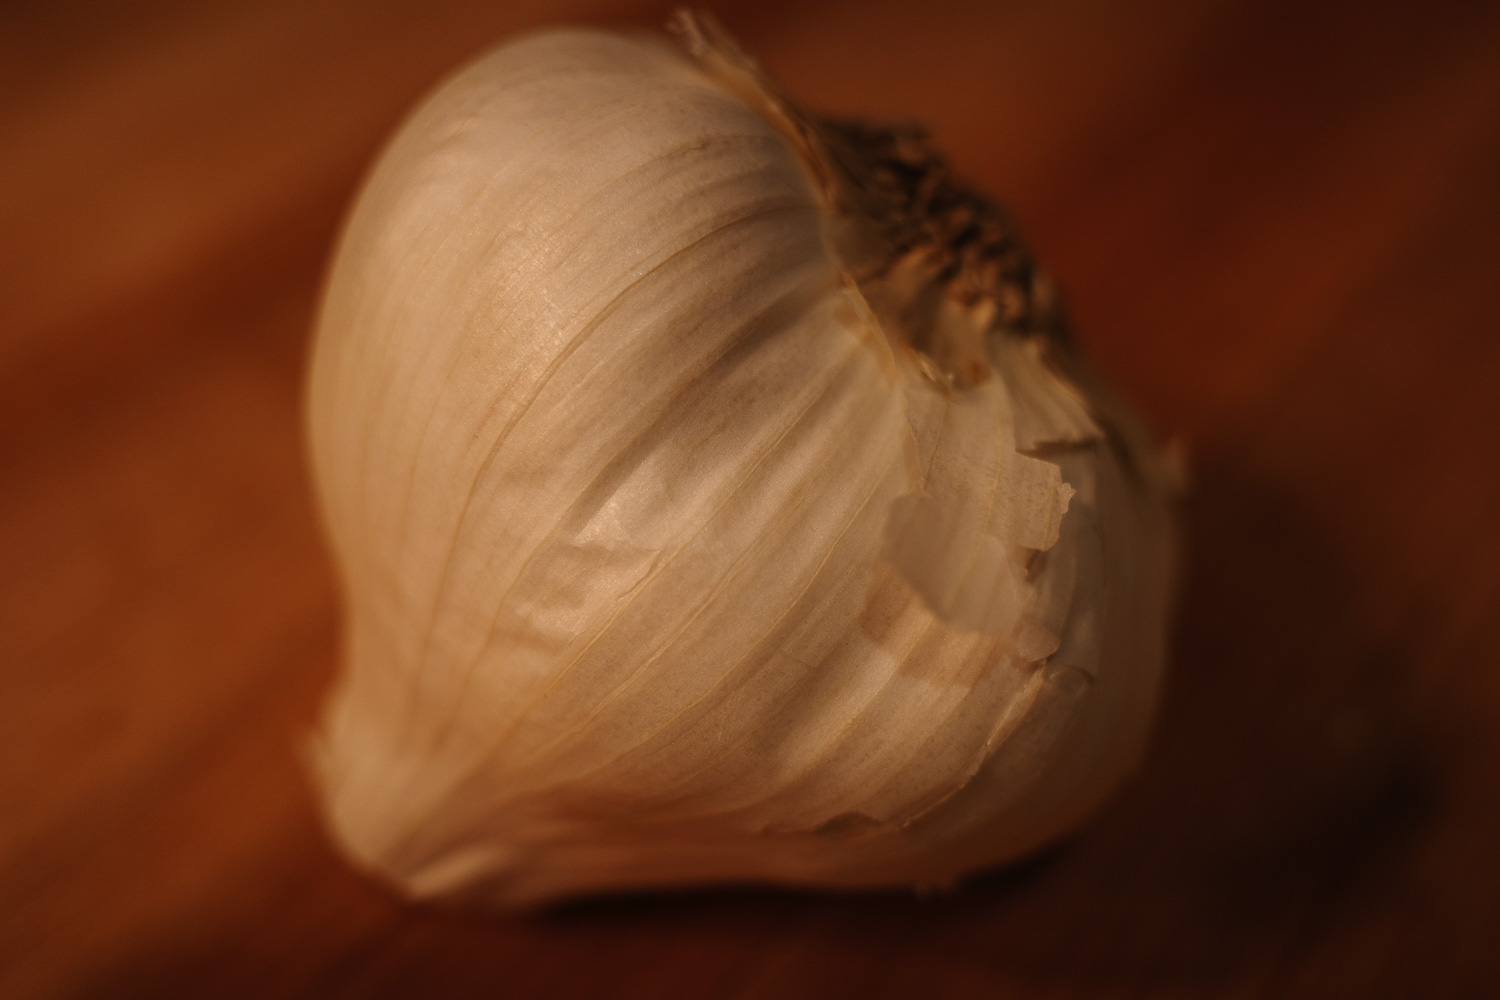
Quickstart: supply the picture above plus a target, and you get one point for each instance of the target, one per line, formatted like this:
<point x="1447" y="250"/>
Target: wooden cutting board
<point x="1278" y="225"/>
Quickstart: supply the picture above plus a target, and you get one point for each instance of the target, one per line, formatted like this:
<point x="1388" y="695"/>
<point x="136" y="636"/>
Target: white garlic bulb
<point x="714" y="496"/>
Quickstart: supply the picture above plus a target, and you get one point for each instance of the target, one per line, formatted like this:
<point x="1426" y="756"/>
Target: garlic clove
<point x="711" y="503"/>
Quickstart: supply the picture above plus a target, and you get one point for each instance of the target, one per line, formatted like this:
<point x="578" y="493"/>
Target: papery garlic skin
<point x="668" y="560"/>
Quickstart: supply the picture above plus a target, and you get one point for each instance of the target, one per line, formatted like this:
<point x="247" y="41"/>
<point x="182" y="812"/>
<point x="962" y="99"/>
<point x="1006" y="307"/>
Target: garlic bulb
<point x="715" y="497"/>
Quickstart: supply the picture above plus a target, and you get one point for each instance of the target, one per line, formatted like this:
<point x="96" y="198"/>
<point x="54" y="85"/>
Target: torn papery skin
<point x="715" y="499"/>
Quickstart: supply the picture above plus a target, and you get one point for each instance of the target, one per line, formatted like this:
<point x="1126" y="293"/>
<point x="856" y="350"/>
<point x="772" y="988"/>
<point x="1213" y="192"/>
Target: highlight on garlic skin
<point x="716" y="498"/>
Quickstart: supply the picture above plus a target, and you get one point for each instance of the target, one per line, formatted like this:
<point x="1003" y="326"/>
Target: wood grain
<point x="1279" y="228"/>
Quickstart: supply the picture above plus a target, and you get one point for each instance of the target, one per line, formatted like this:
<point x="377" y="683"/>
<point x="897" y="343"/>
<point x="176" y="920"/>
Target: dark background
<point x="1279" y="228"/>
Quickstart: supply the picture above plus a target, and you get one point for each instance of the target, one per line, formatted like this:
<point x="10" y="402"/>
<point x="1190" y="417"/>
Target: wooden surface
<point x="1279" y="226"/>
